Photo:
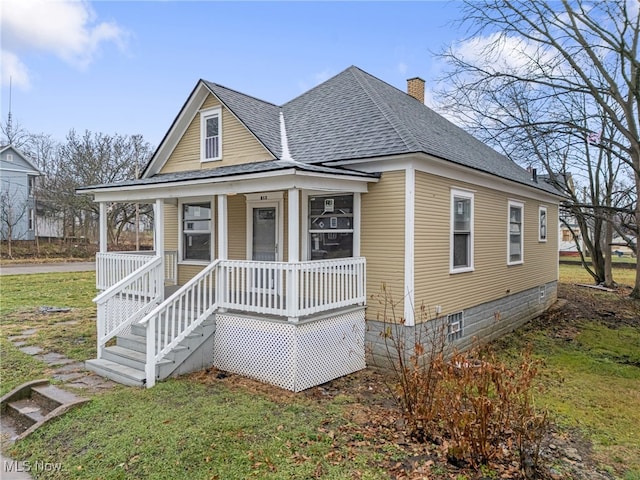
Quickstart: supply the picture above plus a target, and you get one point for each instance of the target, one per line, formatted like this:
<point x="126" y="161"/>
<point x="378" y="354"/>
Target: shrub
<point x="479" y="407"/>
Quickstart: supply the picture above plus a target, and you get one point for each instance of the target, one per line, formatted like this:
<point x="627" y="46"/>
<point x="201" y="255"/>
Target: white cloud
<point x="14" y="71"/>
<point x="67" y="29"/>
<point x="402" y="68"/>
<point x="501" y="52"/>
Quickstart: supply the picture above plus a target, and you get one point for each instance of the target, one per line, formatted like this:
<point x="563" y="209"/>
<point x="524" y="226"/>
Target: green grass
<point x="577" y="274"/>
<point x="183" y="428"/>
<point x="591" y="377"/>
<point x="72" y="333"/>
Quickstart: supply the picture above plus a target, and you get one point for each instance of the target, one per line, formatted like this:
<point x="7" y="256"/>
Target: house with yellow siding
<point x="277" y="227"/>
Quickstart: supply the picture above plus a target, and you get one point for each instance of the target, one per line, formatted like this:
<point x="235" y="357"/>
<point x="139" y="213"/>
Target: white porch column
<point x="103" y="227"/>
<point x="158" y="241"/>
<point x="294" y="225"/>
<point x="158" y="227"/>
<point x="223" y="233"/>
<point x="293" y="252"/>
<point x="357" y="202"/>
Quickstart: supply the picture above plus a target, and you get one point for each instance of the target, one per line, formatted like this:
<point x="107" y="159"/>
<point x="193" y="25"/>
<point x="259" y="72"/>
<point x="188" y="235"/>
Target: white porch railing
<point x="175" y="318"/>
<point x="292" y="289"/>
<point x="129" y="300"/>
<point x="111" y="267"/>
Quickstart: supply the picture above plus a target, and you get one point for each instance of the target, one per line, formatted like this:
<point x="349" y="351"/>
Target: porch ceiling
<point x="235" y="179"/>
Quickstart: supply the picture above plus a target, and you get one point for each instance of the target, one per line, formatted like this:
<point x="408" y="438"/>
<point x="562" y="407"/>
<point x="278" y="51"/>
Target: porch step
<point x="128" y="357"/>
<point x="117" y="372"/>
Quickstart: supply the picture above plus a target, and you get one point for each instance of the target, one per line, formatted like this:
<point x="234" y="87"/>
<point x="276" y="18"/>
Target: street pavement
<point x="28" y="268"/>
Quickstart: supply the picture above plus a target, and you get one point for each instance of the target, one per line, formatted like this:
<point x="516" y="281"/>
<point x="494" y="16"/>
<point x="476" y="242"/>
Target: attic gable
<point x="180" y="148"/>
<point x="19" y="160"/>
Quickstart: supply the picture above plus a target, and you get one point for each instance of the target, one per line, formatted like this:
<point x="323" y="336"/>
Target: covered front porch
<point x="267" y="283"/>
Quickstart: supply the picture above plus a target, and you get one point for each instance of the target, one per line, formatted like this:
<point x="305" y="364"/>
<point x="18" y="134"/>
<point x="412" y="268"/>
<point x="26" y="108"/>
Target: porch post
<point x="223" y="234"/>
<point x="223" y="250"/>
<point x="293" y="222"/>
<point x="158" y="240"/>
<point x="103" y="227"/>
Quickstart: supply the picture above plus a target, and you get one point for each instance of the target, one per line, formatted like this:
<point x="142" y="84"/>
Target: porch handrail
<point x="322" y="285"/>
<point x="175" y="318"/>
<point x="112" y="267"/>
<point x="292" y="289"/>
<point x="128" y="300"/>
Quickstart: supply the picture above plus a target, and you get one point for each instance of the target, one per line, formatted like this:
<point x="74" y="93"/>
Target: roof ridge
<point x="405" y="135"/>
<point x="240" y="93"/>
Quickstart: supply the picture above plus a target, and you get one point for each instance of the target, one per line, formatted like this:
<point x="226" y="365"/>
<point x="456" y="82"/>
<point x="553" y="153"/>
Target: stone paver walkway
<point x="68" y="371"/>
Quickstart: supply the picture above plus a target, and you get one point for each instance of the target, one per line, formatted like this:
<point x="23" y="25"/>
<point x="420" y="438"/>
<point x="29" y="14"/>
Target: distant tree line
<point x="82" y="160"/>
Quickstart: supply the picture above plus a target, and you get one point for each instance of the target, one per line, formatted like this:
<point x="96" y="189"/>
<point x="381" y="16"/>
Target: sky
<point x="127" y="67"/>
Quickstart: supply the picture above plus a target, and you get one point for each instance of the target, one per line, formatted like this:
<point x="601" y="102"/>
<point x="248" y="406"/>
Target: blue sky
<point x="127" y="67"/>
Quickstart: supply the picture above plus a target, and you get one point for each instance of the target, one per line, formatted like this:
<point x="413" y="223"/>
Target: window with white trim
<point x="211" y="135"/>
<point x="331" y="226"/>
<point x="515" y="233"/>
<point x="542" y="224"/>
<point x="454" y="326"/>
<point x="196" y="231"/>
<point x="32" y="219"/>
<point x="461" y="244"/>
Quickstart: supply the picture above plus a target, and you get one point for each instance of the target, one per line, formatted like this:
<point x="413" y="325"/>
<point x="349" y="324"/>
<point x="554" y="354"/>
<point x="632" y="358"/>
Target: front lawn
<point x="210" y="425"/>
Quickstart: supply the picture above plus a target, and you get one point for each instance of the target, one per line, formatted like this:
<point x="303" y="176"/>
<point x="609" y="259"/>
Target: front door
<point x="265" y="231"/>
<point x="264" y="242"/>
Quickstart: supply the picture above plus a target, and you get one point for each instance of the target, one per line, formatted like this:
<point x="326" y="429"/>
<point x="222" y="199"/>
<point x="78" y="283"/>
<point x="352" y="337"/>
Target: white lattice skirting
<point x="289" y="355"/>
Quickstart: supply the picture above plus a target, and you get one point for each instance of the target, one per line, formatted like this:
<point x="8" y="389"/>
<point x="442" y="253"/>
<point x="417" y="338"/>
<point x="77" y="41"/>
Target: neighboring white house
<point x="17" y="193"/>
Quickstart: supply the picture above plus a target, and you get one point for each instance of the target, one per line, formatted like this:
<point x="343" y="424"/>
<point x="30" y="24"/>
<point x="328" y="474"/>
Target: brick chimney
<point x="415" y="88"/>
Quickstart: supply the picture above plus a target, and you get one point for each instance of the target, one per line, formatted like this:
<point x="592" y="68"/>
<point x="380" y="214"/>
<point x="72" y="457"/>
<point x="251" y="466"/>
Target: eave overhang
<point x="230" y="185"/>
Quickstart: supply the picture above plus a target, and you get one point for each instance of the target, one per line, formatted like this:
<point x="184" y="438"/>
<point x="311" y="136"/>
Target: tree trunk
<point x="606" y="246"/>
<point x="635" y="293"/>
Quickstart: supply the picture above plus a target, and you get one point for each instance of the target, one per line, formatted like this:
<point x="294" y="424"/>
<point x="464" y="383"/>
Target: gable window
<point x="196" y="231"/>
<point x="516" y="229"/>
<point x="461" y="243"/>
<point x="211" y="135"/>
<point x="542" y="223"/>
<point x="331" y="226"/>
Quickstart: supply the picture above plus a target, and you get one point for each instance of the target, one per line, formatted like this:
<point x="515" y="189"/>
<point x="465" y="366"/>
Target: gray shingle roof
<point x="355" y="115"/>
<point x="262" y="118"/>
<point x="235" y="170"/>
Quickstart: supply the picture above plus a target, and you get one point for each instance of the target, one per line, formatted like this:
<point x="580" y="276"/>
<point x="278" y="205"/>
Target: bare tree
<point x="13" y="210"/>
<point x="94" y="159"/>
<point x="523" y="72"/>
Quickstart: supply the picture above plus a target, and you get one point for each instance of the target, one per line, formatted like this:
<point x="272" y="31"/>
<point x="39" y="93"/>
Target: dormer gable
<point x="207" y="133"/>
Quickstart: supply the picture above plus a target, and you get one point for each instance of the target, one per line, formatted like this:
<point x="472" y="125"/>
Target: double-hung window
<point x="461" y="244"/>
<point x="211" y="134"/>
<point x="542" y="222"/>
<point x="196" y="231"/>
<point x="331" y="226"/>
<point x="515" y="233"/>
